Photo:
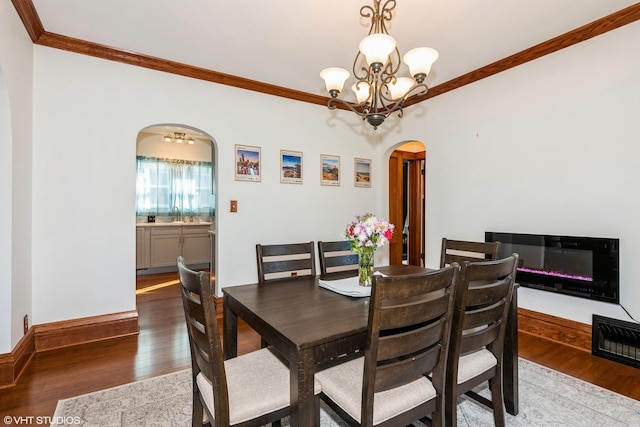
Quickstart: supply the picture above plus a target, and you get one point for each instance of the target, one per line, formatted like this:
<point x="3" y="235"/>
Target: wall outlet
<point x="26" y="323"/>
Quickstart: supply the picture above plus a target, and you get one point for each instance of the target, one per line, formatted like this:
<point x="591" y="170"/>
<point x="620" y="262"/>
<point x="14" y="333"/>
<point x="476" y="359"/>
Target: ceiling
<point x="287" y="42"/>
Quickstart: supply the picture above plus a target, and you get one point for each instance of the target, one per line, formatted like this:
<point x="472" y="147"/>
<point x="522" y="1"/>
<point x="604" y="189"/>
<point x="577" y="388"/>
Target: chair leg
<point x="497" y="401"/>
<point x="451" y="407"/>
<point x="197" y="412"/>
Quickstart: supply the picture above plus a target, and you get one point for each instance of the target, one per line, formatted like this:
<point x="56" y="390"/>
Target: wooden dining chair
<point x="285" y="260"/>
<point x="248" y="390"/>
<point x="337" y="257"/>
<point x="462" y="250"/>
<point x="407" y="340"/>
<point x="478" y="332"/>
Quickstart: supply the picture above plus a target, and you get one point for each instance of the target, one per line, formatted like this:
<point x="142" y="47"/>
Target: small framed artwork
<point x="330" y="170"/>
<point x="290" y="167"/>
<point x="362" y="168"/>
<point x="248" y="163"/>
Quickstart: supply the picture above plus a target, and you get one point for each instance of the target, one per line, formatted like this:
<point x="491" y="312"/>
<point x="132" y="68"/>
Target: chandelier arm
<point x="353" y="107"/>
<point x="386" y="14"/>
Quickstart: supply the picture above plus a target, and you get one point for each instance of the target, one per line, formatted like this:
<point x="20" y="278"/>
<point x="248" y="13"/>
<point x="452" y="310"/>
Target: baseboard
<point x="564" y="331"/>
<point x="68" y="333"/>
<point x="13" y="364"/>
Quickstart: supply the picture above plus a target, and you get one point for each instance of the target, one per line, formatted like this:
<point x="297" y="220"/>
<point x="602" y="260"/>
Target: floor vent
<point x="616" y="340"/>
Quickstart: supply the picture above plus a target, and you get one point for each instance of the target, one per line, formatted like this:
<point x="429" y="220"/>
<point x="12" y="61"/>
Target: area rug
<point x="547" y="398"/>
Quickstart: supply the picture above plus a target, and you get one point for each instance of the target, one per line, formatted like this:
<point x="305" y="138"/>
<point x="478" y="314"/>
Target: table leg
<point x="301" y="370"/>
<point x="510" y="358"/>
<point x="230" y="335"/>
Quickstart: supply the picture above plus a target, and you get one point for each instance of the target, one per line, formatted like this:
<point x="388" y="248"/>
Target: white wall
<point x="549" y="147"/>
<point x="16" y="63"/>
<point x="87" y="114"/>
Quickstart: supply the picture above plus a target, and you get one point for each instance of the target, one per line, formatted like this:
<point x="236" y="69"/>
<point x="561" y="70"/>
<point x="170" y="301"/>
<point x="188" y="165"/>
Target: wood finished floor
<point x="162" y="347"/>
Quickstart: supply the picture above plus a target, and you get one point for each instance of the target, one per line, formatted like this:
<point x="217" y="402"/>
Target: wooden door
<point x="406" y="205"/>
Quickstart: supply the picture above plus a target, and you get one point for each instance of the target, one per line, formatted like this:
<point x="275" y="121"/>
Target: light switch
<point x="234" y="206"/>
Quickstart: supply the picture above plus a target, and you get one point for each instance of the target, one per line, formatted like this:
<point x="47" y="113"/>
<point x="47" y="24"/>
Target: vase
<point x="365" y="268"/>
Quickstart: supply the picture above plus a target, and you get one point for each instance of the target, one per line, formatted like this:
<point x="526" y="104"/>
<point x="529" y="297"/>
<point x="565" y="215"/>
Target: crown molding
<point x="34" y="27"/>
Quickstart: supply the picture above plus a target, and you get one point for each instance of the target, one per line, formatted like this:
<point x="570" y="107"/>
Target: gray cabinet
<point x="195" y="244"/>
<point x="142" y="248"/>
<point x="167" y="243"/>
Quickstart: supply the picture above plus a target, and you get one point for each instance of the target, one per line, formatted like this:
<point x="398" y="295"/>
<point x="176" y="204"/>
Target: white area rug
<point x="547" y="398"/>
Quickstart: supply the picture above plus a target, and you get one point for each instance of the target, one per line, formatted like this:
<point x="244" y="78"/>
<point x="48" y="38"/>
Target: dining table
<point x="313" y="328"/>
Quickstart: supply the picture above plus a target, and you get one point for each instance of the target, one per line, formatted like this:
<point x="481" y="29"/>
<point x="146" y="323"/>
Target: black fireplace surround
<point x="585" y="267"/>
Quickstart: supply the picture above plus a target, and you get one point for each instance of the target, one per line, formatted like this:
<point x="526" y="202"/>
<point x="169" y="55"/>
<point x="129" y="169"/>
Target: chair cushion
<point x="258" y="384"/>
<point x="343" y="385"/>
<point x="473" y="364"/>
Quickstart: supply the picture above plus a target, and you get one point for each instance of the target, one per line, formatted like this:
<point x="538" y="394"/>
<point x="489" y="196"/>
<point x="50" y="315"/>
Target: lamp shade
<point x="400" y="87"/>
<point x="362" y="91"/>
<point x="420" y="60"/>
<point x="334" y="78"/>
<point x="377" y="47"/>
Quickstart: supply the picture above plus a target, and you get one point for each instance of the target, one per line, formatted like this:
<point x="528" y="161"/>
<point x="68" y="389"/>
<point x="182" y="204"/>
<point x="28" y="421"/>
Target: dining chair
<point x="407" y="340"/>
<point x="248" y="390"/>
<point x="462" y="250"/>
<point x="482" y="301"/>
<point x="337" y="257"/>
<point x="285" y="260"/>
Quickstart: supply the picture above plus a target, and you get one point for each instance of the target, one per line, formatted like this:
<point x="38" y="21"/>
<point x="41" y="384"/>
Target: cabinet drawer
<point x="166" y="231"/>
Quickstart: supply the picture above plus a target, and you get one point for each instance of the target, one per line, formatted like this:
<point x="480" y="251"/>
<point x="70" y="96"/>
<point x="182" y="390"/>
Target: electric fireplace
<point x="585" y="267"/>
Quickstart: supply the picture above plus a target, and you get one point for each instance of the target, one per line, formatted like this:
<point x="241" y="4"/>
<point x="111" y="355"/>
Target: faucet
<point x="175" y="218"/>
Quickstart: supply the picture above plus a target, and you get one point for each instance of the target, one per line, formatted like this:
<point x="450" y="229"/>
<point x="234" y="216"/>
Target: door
<point x="406" y="207"/>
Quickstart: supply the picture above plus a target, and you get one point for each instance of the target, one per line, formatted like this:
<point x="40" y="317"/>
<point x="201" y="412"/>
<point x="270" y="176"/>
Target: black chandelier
<point x="379" y="91"/>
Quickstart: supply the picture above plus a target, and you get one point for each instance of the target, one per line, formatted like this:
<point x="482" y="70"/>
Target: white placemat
<point x="348" y="287"/>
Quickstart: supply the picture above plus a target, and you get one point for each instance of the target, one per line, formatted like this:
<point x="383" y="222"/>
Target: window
<point x="162" y="184"/>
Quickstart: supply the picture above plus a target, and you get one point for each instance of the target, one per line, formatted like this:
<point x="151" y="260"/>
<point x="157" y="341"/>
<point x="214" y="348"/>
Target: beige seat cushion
<point x="343" y="384"/>
<point x="258" y="384"/>
<point x="473" y="364"/>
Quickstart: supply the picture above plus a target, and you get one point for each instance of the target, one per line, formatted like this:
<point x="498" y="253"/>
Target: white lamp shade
<point x="377" y="47"/>
<point x="362" y="91"/>
<point x="334" y="78"/>
<point x="420" y="60"/>
<point x="400" y="87"/>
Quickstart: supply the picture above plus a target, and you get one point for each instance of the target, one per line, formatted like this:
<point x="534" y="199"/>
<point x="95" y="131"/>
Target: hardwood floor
<point x="162" y="347"/>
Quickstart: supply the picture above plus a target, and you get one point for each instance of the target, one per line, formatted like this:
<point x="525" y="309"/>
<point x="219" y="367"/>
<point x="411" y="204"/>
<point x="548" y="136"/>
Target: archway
<point x="179" y="221"/>
<point x="407" y="203"/>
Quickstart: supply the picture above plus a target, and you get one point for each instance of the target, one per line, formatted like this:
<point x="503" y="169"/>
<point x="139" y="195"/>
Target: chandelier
<point x="179" y="138"/>
<point x="379" y="91"/>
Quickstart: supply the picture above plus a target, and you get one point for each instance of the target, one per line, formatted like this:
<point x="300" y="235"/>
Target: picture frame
<point x="248" y="163"/>
<point x="329" y="170"/>
<point x="362" y="172"/>
<point x="290" y="167"/>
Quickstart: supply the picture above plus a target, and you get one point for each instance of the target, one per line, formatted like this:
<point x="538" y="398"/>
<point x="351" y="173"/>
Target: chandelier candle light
<point x="366" y="234"/>
<point x="379" y="91"/>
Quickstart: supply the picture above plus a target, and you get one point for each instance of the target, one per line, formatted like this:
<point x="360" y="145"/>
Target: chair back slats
<point x="204" y="336"/>
<point x="285" y="260"/>
<point x="479" y="338"/>
<point x="408" y="331"/>
<point x="462" y="250"/>
<point x="336" y="256"/>
<point x="397" y="345"/>
<point x="404" y="371"/>
<point x="418" y="311"/>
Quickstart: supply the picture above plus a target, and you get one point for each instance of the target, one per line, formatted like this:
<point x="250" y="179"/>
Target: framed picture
<point x="248" y="163"/>
<point x="290" y="167"/>
<point x="362" y="169"/>
<point x="329" y="170"/>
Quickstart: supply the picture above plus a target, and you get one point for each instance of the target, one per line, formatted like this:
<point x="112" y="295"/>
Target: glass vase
<point x="365" y="269"/>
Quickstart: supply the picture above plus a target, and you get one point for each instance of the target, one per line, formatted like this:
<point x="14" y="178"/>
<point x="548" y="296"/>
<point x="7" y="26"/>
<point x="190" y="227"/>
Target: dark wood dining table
<point x="314" y="328"/>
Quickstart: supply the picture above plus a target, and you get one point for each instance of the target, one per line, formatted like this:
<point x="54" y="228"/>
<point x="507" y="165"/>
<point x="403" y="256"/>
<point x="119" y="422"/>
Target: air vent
<point x="616" y="340"/>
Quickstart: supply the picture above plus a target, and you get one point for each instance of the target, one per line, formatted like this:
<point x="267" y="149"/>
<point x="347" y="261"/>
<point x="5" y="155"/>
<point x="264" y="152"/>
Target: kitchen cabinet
<point x="143" y="249"/>
<point x="159" y="245"/>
